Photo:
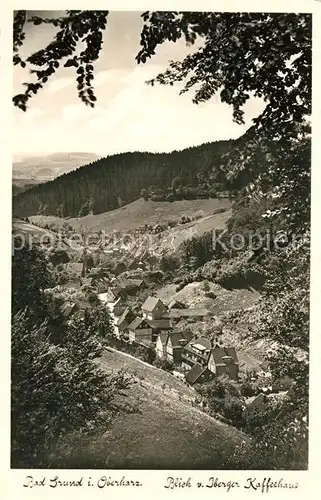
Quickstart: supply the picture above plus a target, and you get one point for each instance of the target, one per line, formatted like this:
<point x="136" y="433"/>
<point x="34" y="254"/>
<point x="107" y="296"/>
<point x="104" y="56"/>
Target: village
<point x="155" y="324"/>
<point x="196" y="359"/>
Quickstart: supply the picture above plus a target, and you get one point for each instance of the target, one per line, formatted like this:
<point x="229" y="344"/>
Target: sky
<point x="129" y="115"/>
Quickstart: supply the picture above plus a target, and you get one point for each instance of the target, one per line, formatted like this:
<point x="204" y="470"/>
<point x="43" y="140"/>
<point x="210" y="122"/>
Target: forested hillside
<point x="116" y="180"/>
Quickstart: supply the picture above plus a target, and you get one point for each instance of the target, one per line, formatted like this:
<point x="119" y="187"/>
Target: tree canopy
<point x="242" y="54"/>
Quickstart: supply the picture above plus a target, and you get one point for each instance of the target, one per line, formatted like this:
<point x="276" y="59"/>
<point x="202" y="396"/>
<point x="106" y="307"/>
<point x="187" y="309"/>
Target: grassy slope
<point x="139" y="212"/>
<point x="166" y="433"/>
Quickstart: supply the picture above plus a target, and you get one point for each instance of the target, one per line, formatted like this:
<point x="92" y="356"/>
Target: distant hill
<point x="37" y="169"/>
<point x="112" y="182"/>
<point x="22" y="185"/>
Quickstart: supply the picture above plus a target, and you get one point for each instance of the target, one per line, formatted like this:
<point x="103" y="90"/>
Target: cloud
<point x="130" y="115"/>
<point x="25" y="119"/>
<point x="79" y="112"/>
<point x="60" y="84"/>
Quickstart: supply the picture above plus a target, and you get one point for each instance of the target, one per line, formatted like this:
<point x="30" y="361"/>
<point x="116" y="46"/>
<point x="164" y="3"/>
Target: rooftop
<point x="224" y="354"/>
<point x="181" y="313"/>
<point x="160" y="323"/>
<point x="137" y="322"/>
<point x="195" y="373"/>
<point x="150" y="304"/>
<point x="127" y="315"/>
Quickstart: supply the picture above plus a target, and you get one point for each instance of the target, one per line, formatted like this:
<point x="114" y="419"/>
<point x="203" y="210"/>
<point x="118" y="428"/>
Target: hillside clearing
<point x="165" y="433"/>
<point x="138" y="213"/>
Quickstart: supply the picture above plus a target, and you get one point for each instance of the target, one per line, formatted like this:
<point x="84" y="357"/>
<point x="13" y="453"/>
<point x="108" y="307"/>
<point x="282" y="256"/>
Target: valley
<point x="160" y="291"/>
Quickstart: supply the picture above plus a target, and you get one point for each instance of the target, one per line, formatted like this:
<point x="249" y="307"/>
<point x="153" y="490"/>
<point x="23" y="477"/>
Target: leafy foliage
<point x="56" y="387"/>
<point x="222" y="395"/>
<point x="30" y="276"/>
<point x="76" y="28"/>
<point x="55" y="390"/>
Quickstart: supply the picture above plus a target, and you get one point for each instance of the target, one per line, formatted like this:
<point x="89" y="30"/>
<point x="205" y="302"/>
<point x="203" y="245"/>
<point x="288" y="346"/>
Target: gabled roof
<point x="176" y="336"/>
<point x="135" y="282"/>
<point x="251" y="400"/>
<point x="137" y="323"/>
<point x="200" y="346"/>
<point x="112" y="294"/>
<point x="175" y="304"/>
<point x="119" y="263"/>
<point x="201" y="341"/>
<point x="150" y="304"/>
<point x="160" y="323"/>
<point x="66" y="309"/>
<point x="163" y="337"/>
<point x="186" y="313"/>
<point x="124" y="283"/>
<point x="195" y="373"/>
<point x="126" y="317"/>
<point x="83" y="305"/>
<point x="222" y="354"/>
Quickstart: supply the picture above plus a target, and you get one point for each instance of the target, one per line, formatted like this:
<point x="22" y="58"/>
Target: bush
<point x="163" y="364"/>
<point x="144" y="194"/>
<point x="55" y="390"/>
<point x="247" y="389"/>
<point x="157" y="197"/>
<point x="168" y="263"/>
<point x="222" y="395"/>
<point x="219" y="210"/>
<point x="147" y="354"/>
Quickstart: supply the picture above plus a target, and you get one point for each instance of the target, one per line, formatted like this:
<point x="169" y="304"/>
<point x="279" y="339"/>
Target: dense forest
<point x="111" y="182"/>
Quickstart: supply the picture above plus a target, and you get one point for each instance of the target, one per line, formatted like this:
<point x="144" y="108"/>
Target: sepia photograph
<point x="161" y="180"/>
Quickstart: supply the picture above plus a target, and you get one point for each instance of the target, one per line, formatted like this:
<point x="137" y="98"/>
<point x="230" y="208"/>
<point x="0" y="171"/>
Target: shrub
<point x="219" y="210"/>
<point x="164" y="364"/>
<point x="144" y="194"/>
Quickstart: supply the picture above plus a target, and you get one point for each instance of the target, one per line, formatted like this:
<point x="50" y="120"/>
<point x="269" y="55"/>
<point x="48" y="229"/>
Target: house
<point x="175" y="304"/>
<point x="198" y="374"/>
<point x="161" y="344"/>
<point x="132" y="264"/>
<point x="176" y="341"/>
<point x="82" y="307"/>
<point x="153" y="308"/>
<point x="67" y="309"/>
<point x="110" y="298"/>
<point x="169" y="345"/>
<point x="254" y="404"/>
<point x="140" y="331"/>
<point x="128" y="285"/>
<point x="123" y="322"/>
<point x="224" y="360"/>
<point x="119" y="307"/>
<point x="197" y="313"/>
<point x="160" y="324"/>
<point x="119" y="268"/>
<point x="196" y="351"/>
<point x="102" y="285"/>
